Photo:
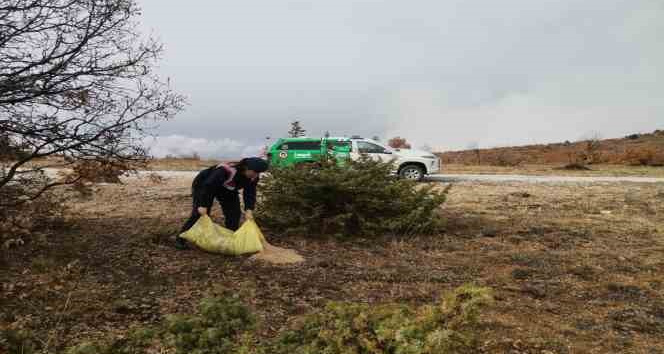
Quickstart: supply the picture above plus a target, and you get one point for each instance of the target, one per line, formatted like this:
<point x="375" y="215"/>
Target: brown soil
<point x="575" y="269"/>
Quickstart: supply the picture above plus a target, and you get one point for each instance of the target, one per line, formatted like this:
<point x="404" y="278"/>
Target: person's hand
<point x="202" y="211"/>
<point x="249" y="215"/>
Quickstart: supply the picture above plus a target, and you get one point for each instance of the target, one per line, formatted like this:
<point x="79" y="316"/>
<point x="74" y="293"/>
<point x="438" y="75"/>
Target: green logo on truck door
<point x="302" y="155"/>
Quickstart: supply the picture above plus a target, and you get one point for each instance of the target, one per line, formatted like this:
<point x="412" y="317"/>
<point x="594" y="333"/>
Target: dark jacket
<point x="211" y="183"/>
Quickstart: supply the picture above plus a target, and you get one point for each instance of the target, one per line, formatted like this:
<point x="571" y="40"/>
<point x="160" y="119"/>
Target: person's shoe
<point x="181" y="243"/>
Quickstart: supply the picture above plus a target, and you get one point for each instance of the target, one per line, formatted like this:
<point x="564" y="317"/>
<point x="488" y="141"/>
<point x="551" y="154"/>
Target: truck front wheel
<point x="412" y="172"/>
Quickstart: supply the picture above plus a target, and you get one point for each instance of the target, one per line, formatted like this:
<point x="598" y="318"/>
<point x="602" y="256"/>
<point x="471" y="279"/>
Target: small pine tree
<point x="296" y="130"/>
<point x="358" y="199"/>
<point x="327" y="134"/>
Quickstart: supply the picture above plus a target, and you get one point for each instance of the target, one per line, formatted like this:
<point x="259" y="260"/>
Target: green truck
<point x="292" y="151"/>
<point x="409" y="163"/>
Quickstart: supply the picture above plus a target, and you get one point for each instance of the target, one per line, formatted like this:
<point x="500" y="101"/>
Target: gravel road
<point x="486" y="178"/>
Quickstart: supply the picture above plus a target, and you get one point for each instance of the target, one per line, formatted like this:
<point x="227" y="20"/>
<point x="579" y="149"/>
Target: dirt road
<point x="486" y="178"/>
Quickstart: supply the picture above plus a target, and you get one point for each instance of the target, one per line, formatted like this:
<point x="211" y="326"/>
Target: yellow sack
<point x="217" y="239"/>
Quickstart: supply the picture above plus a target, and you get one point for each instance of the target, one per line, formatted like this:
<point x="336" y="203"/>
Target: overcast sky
<point x="443" y="73"/>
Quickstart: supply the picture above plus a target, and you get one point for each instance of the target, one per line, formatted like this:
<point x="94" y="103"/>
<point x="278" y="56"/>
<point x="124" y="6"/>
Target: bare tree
<point x="590" y="150"/>
<point x="398" y="143"/>
<point x="76" y="84"/>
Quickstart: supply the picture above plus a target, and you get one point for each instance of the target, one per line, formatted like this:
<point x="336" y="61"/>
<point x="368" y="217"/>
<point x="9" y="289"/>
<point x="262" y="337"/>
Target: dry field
<point x="556" y="170"/>
<point x="574" y="268"/>
<point x="180" y="164"/>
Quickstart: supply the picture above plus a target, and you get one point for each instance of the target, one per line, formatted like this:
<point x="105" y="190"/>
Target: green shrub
<point x="224" y="325"/>
<point x="17" y="342"/>
<point x="341" y="328"/>
<point x="88" y="348"/>
<point x="217" y="329"/>
<point x="361" y="198"/>
<point x="137" y="341"/>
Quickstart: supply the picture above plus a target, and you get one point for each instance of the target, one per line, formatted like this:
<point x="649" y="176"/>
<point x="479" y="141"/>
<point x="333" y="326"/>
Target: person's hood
<point x="256" y="164"/>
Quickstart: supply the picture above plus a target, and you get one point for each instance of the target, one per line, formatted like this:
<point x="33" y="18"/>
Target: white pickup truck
<point x="411" y="163"/>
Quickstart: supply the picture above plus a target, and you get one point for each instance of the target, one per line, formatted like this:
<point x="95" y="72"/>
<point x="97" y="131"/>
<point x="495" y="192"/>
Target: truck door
<point x="304" y="151"/>
<point x="375" y="151"/>
<point x="339" y="150"/>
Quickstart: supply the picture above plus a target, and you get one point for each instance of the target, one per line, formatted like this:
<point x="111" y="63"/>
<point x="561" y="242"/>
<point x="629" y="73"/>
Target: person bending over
<point x="222" y="182"/>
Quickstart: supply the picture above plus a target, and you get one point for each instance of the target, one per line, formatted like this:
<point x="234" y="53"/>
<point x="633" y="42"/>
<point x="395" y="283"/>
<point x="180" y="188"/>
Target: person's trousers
<point x="230" y="206"/>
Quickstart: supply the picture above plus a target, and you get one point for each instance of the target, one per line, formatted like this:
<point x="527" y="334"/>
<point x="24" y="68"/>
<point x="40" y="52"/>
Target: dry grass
<point x="180" y="164"/>
<point x="633" y="150"/>
<point x="575" y="268"/>
<point x="556" y="170"/>
<point x="157" y="164"/>
<point x="526" y="169"/>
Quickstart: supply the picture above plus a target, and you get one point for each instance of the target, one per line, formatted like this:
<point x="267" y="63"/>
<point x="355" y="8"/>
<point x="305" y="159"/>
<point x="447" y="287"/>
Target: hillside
<point x="632" y="150"/>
